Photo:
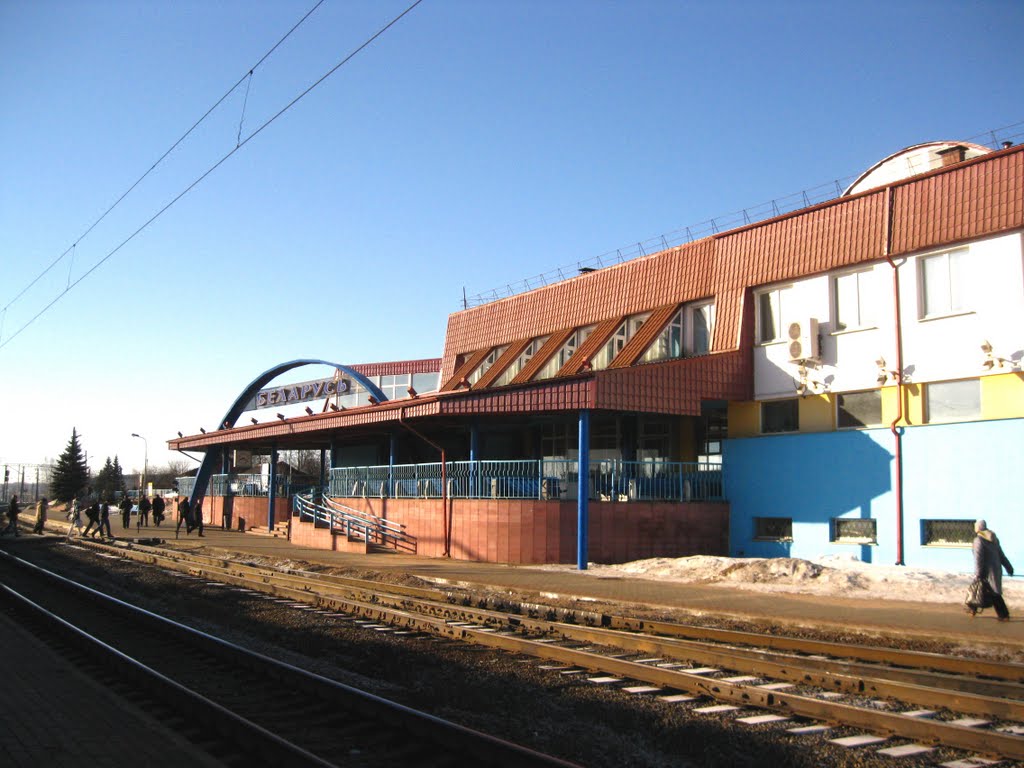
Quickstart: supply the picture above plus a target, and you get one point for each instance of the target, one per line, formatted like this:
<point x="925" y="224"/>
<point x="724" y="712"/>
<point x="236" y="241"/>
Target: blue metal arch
<point x="238" y="408"/>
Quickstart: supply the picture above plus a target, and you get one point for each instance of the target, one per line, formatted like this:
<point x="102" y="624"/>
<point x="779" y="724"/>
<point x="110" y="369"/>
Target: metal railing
<point x="352" y="523"/>
<point x="237" y="485"/>
<point x="545" y="479"/>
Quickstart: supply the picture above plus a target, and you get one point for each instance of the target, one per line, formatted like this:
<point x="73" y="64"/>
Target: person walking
<point x="41" y="508"/>
<point x="126" y="512"/>
<point x="989" y="562"/>
<point x="144" y="507"/>
<point x="197" y="516"/>
<point x="13" y="510"/>
<point x="92" y="513"/>
<point x="74" y="517"/>
<point x="105" y="520"/>
<point x="158" y="510"/>
<point x="184" y="516"/>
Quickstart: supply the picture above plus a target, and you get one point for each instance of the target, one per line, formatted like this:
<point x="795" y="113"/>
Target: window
<point x="949" y="533"/>
<point x="618" y="340"/>
<point x="769" y="315"/>
<point x="669" y="343"/>
<point x="700" y="325"/>
<point x="780" y="416"/>
<point x="854" y="299"/>
<point x="859" y="409"/>
<point x="561" y="357"/>
<point x="773" y="528"/>
<point x="490" y="360"/>
<point x="942" y="284"/>
<point x="395" y="387"/>
<point x="953" y="401"/>
<point x="851" y="530"/>
<point x="513" y="370"/>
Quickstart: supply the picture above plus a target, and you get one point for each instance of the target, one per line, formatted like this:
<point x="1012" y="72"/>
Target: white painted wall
<point x="935" y="349"/>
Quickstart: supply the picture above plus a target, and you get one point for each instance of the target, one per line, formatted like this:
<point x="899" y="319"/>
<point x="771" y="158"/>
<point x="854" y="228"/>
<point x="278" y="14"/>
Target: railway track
<point x="256" y="710"/>
<point x="892" y="696"/>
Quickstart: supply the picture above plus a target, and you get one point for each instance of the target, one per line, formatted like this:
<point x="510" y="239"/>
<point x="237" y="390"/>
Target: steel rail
<point x="971" y="695"/>
<point x="930" y="731"/>
<point x="968" y="695"/>
<point x="466" y="741"/>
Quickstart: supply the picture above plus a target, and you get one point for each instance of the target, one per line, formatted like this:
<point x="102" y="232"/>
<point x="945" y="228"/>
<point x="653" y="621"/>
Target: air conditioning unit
<point x="803" y="340"/>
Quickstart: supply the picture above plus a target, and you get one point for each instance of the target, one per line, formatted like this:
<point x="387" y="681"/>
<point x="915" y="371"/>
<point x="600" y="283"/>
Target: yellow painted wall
<point x="816" y="413"/>
<point x="744" y="419"/>
<point x="1002" y="396"/>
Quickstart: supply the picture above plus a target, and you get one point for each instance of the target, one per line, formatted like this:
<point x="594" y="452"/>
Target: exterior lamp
<point x="202" y="430"/>
<point x="334" y="407"/>
<point x="253" y="420"/>
<point x="412" y="392"/>
<point x="309" y="411"/>
<point x="145" y="465"/>
<point x="373" y="400"/>
<point x="179" y="434"/>
<point x="281" y="416"/>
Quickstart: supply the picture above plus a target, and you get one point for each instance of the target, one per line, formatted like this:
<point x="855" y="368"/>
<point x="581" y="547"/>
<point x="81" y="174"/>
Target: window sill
<point x="773" y="540"/>
<point x="857" y="542"/>
<point x="857" y="329"/>
<point x="960" y="313"/>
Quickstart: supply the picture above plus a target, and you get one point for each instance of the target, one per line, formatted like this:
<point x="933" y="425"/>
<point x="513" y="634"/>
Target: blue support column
<point x="392" y="449"/>
<point x="272" y="495"/>
<point x="474" y="450"/>
<point x="323" y="474"/>
<point x="583" y="492"/>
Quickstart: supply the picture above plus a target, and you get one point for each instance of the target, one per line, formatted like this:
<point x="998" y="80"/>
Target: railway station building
<point x="843" y="379"/>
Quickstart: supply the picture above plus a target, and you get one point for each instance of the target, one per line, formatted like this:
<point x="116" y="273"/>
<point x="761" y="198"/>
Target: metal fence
<point x="29" y="482"/>
<point x="548" y="479"/>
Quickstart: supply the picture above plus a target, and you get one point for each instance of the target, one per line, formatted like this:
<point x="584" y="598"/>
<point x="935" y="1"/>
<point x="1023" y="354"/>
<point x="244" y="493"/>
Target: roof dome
<point x="911" y="161"/>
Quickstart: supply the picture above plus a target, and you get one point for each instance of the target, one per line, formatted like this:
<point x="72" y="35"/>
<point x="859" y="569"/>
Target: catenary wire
<point x="210" y="170"/>
<point x="247" y="75"/>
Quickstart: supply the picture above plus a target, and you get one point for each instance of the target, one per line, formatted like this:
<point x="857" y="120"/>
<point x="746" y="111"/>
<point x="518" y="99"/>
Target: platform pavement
<point x="939" y="621"/>
<point x="55" y="716"/>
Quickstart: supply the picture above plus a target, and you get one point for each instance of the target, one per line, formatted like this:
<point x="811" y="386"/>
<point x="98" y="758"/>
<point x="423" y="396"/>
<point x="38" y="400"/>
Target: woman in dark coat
<point x="989" y="562"/>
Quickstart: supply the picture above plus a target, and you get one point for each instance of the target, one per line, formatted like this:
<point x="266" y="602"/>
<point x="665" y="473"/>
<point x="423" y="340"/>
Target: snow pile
<point x="842" y="576"/>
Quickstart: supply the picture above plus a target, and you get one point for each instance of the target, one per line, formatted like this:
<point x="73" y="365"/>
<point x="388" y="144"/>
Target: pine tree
<point x="70" y="474"/>
<point x="118" y="476"/>
<point x="105" y="483"/>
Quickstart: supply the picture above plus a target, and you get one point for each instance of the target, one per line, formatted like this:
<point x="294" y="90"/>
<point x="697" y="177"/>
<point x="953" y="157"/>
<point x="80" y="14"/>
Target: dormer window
<point x="561" y="357"/>
<point x="490" y="360"/>
<point x="513" y="370"/>
<point x="618" y="340"/>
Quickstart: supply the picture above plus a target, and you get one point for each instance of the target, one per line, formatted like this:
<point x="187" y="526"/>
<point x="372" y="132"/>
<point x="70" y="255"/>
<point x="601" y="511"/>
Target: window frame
<point x="864" y="285"/>
<point x="793" y="402"/>
<point x="953" y="283"/>
<point x="693" y="310"/>
<point x="930" y="386"/>
<point x="876" y="393"/>
<point x="836" y="536"/>
<point x="761" y="521"/>
<point x="928" y="540"/>
<point x="777" y="312"/>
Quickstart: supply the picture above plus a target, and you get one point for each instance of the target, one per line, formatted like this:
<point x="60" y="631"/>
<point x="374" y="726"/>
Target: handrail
<point x="354" y="522"/>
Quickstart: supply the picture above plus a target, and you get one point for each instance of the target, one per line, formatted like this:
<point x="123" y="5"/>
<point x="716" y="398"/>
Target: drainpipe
<point x="445" y="517"/>
<point x="583" y="493"/>
<point x="897" y="431"/>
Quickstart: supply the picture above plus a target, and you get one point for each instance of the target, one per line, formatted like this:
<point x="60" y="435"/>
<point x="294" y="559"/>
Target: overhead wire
<point x="246" y="76"/>
<point x="211" y="169"/>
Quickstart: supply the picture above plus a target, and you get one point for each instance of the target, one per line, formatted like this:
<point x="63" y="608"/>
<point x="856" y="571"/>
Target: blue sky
<point x="473" y="145"/>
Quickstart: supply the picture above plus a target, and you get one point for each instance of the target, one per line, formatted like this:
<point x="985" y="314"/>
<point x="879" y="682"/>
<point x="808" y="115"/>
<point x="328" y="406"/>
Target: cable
<point x="210" y="170"/>
<point x="163" y="157"/>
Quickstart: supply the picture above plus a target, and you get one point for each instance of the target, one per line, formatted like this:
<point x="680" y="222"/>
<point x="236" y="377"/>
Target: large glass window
<point x="669" y="343"/>
<point x="513" y="370"/>
<point x="769" y="314"/>
<point x="855" y="301"/>
<point x="953" y="400"/>
<point x="942" y="284"/>
<point x="700" y="325"/>
<point x="618" y="340"/>
<point x="561" y="357"/>
<point x="859" y="409"/>
<point x="780" y="416"/>
<point x="490" y="360"/>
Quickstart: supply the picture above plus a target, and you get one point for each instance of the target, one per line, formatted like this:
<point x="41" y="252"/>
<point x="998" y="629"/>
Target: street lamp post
<point x="145" y="470"/>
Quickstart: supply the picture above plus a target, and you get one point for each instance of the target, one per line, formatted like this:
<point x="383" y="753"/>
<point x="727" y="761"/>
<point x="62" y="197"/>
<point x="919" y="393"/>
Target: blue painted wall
<point x="950" y="471"/>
